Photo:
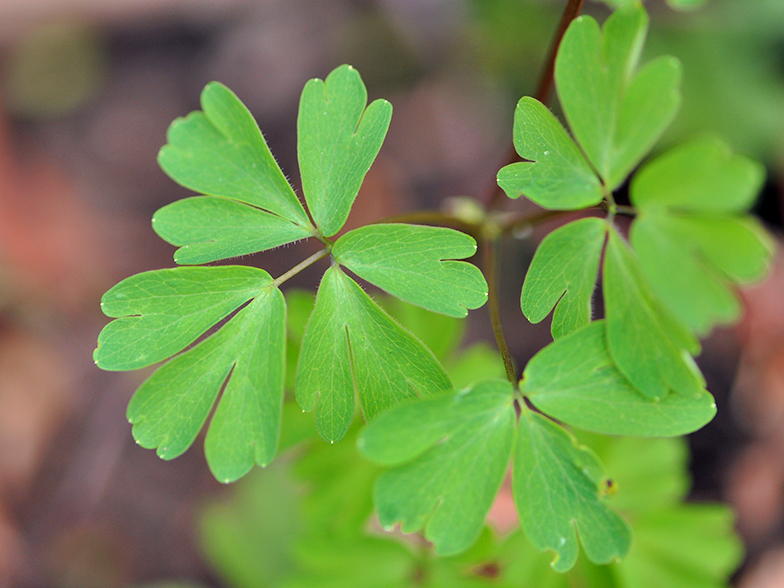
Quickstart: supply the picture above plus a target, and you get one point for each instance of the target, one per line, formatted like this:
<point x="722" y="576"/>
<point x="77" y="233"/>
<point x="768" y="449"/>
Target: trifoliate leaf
<point x="351" y="345"/>
<point x="169" y="409"/>
<point x="416" y="264"/>
<point x="557" y="488"/>
<point x="164" y="311"/>
<point x="207" y="229"/>
<point x="556" y="175"/>
<point x="450" y="455"/>
<point x="220" y="151"/>
<point x="338" y="139"/>
<point x="691" y="235"/>
<point x="563" y="275"/>
<point x="648" y="345"/>
<point x="575" y="381"/>
<point x="615" y="113"/>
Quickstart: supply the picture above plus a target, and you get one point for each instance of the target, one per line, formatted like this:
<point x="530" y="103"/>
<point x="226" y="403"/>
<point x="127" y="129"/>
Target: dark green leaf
<point x="164" y="311"/>
<point x="415" y="263"/>
<point x="557" y="488"/>
<point x="575" y="381"/>
<point x="648" y="345"/>
<point x="207" y="229"/>
<point x="615" y="113"/>
<point x="220" y="151"/>
<point x="169" y="409"/>
<point x="556" y="175"/>
<point x="563" y="272"/>
<point x="450" y="455"/>
<point x="351" y="345"/>
<point x="338" y="140"/>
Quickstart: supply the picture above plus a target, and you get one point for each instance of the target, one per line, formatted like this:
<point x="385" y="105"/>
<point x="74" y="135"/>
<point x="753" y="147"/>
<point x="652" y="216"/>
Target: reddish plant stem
<point x="490" y="254"/>
<point x="571" y="11"/>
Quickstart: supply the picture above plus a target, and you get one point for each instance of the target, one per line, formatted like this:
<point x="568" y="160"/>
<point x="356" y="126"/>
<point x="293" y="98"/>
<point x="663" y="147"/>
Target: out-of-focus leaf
<point x="249" y="537"/>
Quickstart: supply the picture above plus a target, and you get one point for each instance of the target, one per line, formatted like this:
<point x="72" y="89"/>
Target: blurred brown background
<point x="87" y="90"/>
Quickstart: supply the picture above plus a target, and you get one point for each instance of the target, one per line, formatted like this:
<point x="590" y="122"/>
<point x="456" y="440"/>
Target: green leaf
<point x="338" y="140"/>
<point x="249" y="536"/>
<point x="164" y="311"/>
<point x="648" y="345"/>
<point x="691" y="546"/>
<point x="702" y="175"/>
<point x="557" y="488"/>
<point x="415" y="263"/>
<point x="563" y="275"/>
<point x="615" y="113"/>
<point x="556" y="175"/>
<point x="575" y="381"/>
<point x="450" y="455"/>
<point x="691" y="263"/>
<point x="691" y="237"/>
<point x="647" y="474"/>
<point x="220" y="151"/>
<point x="351" y="345"/>
<point x="207" y="229"/>
<point x="478" y="362"/>
<point x="169" y="409"/>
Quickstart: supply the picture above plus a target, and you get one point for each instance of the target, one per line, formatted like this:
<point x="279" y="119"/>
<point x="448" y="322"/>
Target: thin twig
<point x="571" y="12"/>
<point x="300" y="266"/>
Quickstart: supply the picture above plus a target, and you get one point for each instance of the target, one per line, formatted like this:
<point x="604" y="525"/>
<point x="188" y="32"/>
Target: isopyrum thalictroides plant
<point x="444" y="451"/>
